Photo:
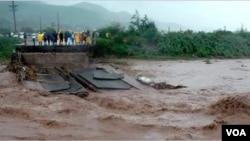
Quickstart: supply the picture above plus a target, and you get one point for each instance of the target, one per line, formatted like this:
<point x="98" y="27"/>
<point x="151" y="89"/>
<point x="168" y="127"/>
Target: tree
<point x="144" y="23"/>
<point x="151" y="32"/>
<point x="135" y="22"/>
<point x="143" y="28"/>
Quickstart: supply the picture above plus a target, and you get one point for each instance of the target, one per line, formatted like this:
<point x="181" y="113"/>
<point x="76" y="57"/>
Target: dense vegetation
<point x="7" y="46"/>
<point x="142" y="39"/>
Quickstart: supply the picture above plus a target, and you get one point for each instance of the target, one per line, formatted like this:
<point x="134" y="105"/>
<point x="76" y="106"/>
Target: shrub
<point x="7" y="46"/>
<point x="106" y="47"/>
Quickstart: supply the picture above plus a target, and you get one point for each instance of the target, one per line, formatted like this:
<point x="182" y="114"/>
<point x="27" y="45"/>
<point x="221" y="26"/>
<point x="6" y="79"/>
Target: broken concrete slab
<point x="74" y="87"/>
<point x="49" y="78"/>
<point x="128" y="79"/>
<point x="104" y="75"/>
<point x="32" y="85"/>
<point x="52" y="82"/>
<point x="87" y="74"/>
<point x="57" y="84"/>
<point x="54" y="87"/>
<point x="82" y="81"/>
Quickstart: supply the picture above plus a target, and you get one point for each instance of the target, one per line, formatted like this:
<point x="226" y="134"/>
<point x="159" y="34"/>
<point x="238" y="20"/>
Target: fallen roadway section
<point x="77" y="81"/>
<point x="106" y="82"/>
<point x="52" y="82"/>
<point x="65" y="69"/>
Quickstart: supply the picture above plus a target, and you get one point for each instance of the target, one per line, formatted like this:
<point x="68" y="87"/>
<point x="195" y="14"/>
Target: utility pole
<point x="52" y="25"/>
<point x="40" y="24"/>
<point x="13" y="7"/>
<point x="9" y="30"/>
<point x="58" y="26"/>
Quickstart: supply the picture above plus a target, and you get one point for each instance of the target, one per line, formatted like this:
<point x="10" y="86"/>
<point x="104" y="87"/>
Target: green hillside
<point x="75" y="17"/>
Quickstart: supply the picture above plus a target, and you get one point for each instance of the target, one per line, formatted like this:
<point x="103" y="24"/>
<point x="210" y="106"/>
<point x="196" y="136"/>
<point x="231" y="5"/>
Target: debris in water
<point x="164" y="85"/>
<point x="145" y="80"/>
<point x="159" y="85"/>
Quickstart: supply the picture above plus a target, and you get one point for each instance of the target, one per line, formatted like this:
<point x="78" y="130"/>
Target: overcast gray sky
<point x="197" y="15"/>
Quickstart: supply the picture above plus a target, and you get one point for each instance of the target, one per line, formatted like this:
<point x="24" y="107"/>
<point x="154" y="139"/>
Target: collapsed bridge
<point x="65" y="69"/>
<point x="54" y="56"/>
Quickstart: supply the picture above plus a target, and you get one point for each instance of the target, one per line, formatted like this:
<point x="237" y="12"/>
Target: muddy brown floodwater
<point x="216" y="94"/>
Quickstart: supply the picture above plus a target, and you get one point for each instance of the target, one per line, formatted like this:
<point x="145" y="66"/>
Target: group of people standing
<point x="65" y="38"/>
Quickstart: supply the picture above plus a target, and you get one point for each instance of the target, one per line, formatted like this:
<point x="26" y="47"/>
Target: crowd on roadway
<point x="65" y="38"/>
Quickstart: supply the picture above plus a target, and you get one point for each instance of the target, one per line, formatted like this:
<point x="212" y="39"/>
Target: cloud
<point x="62" y="2"/>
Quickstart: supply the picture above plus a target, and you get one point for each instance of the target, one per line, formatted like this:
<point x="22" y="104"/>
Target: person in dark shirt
<point x="25" y="38"/>
<point x="49" y="38"/>
<point x="45" y="38"/>
<point x="54" y="38"/>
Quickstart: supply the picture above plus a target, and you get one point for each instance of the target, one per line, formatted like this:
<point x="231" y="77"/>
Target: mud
<point x="216" y="94"/>
<point x="231" y="105"/>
